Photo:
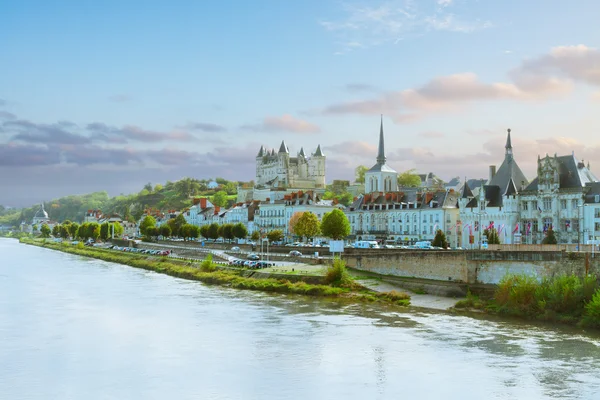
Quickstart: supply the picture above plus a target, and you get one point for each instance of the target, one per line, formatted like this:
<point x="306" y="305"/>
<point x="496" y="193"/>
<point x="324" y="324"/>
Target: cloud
<point x="26" y="155"/>
<point x="285" y="123"/>
<point x="92" y="155"/>
<point x="360" y="87"/>
<point x="391" y="21"/>
<point x="30" y="132"/>
<point x="431" y="135"/>
<point x="549" y="75"/>
<point x="3" y="103"/>
<point x="596" y="96"/>
<point x="352" y="148"/>
<point x="101" y="131"/>
<point x="204" y="127"/>
<point x="119" y="98"/>
<point x="7" y="115"/>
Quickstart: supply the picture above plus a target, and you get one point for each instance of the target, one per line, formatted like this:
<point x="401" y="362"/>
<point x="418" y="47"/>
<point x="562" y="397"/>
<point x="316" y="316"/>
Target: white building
<point x="385" y="213"/>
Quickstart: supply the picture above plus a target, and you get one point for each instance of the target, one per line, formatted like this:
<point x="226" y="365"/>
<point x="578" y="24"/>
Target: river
<point x="77" y="328"/>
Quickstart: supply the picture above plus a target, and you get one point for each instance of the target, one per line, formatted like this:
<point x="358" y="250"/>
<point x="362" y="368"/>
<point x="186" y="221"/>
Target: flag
<point x="500" y="228"/>
<point x="528" y="227"/>
<point x="491" y="225"/>
<point x="516" y="228"/>
<point x="539" y="208"/>
<point x="545" y="228"/>
<point x="568" y="223"/>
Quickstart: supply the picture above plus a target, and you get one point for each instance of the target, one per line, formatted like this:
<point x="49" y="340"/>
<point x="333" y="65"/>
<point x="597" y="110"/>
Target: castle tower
<point x="317" y="167"/>
<point x="381" y="178"/>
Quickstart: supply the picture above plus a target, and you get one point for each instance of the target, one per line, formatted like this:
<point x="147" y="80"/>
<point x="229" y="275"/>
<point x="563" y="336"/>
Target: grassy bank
<point x="339" y="284"/>
<point x="565" y="299"/>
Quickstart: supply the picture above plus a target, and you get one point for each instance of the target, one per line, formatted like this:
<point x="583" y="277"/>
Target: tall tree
<point x="240" y="231"/>
<point x="307" y="225"/>
<point x="294" y="221"/>
<point x="220" y="199"/>
<point x="335" y="225"/>
<point x="550" y="237"/>
<point x="359" y="173"/>
<point x="213" y="231"/>
<point x="165" y="230"/>
<point x="146" y="223"/>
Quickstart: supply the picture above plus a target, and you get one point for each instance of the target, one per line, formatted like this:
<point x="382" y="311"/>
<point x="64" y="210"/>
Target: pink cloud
<point x="285" y="123"/>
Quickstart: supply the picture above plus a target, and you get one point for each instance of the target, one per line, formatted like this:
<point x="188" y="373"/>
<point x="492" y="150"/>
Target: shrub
<point x="591" y="316"/>
<point x="207" y="264"/>
<point x="516" y="295"/>
<point x="336" y="274"/>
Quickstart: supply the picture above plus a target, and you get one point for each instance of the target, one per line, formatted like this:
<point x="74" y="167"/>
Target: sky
<point x="110" y="95"/>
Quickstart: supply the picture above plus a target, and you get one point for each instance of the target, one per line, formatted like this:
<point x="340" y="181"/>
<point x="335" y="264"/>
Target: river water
<point x="76" y="328"/>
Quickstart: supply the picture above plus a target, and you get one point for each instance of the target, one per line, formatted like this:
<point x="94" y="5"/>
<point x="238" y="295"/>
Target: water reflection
<point x="75" y="328"/>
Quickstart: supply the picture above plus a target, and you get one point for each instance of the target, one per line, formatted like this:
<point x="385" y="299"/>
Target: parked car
<point x="235" y="248"/>
<point x="295" y="253"/>
<point x="253" y="257"/>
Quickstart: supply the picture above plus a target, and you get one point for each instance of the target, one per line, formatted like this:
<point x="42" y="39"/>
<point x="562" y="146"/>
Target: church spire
<point x="508" y="146"/>
<point x="381" y="150"/>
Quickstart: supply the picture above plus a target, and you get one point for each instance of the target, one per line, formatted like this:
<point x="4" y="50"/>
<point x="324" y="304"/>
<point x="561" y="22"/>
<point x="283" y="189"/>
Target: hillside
<point x="170" y="196"/>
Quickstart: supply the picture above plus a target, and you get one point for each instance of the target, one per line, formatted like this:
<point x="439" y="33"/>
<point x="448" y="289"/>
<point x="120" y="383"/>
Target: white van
<point x="366" y="244"/>
<point x="426" y="244"/>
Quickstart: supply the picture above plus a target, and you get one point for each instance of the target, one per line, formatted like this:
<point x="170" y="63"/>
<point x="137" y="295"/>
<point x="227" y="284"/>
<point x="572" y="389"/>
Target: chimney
<point x="203" y="203"/>
<point x="492" y="171"/>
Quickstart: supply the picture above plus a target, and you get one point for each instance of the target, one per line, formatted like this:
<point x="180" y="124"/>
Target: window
<point x="525" y="204"/>
<point x="547" y="224"/>
<point x="547" y="204"/>
<point x="574" y="204"/>
<point x="430" y="218"/>
<point x="597" y="213"/>
<point x="575" y="225"/>
<point x="563" y="204"/>
<point x="534" y="225"/>
<point x="597" y="226"/>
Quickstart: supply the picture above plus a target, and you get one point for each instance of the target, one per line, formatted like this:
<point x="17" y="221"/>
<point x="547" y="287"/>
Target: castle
<point x="280" y="170"/>
<point x="277" y="173"/>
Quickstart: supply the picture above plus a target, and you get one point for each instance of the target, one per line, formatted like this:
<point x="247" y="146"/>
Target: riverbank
<point x="230" y="277"/>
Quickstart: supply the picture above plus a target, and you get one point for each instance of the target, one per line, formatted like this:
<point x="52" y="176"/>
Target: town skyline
<point x="110" y="96"/>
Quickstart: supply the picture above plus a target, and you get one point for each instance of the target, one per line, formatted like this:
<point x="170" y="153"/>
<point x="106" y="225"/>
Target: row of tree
<point x="87" y="230"/>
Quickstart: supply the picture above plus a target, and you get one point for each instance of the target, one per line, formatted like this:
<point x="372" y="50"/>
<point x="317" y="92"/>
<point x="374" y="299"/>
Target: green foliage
<point x="398" y="298"/>
<point x="275" y="235"/>
<point x="335" y="225"/>
<point x="492" y="235"/>
<point x="359" y="173"/>
<point x="550" y="237"/>
<point x="307" y="225"/>
<point x="336" y="274"/>
<point x="207" y="264"/>
<point x="591" y="316"/>
<point x="562" y="298"/>
<point x="239" y="230"/>
<point x="409" y="179"/>
<point x="472" y="301"/>
<point x="228" y="232"/>
<point x="45" y="231"/>
<point x="165" y="230"/>
<point x="147" y="222"/>
<point x="189" y="231"/>
<point x="219" y="199"/>
<point x="440" y="239"/>
<point x="213" y="231"/>
<point x="255" y="236"/>
<point x="152" y="232"/>
<point x="204" y="231"/>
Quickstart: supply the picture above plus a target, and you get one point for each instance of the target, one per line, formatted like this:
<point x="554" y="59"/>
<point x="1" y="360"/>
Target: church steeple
<point x="381" y="150"/>
<point x="509" y="152"/>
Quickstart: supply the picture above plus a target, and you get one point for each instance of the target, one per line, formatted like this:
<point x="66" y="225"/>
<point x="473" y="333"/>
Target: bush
<point x="207" y="264"/>
<point x="516" y="295"/>
<point x="336" y="274"/>
<point x="591" y="317"/>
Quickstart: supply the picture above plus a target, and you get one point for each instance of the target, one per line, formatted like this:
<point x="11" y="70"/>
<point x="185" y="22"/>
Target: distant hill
<point x="170" y="196"/>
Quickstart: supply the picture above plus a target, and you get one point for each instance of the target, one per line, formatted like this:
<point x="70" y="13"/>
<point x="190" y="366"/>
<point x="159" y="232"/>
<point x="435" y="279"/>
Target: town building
<point x="384" y="212"/>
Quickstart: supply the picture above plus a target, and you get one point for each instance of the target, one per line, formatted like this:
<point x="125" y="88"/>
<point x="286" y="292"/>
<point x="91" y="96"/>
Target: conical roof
<point x="302" y="152"/>
<point x="319" y="153"/>
<point x="283" y="148"/>
<point x="261" y="152"/>
<point x="466" y="191"/>
<point x="511" y="189"/>
<point x="381" y="149"/>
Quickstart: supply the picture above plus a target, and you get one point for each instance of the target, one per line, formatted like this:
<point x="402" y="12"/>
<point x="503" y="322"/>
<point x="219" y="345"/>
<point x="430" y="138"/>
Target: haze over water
<point x="75" y="328"/>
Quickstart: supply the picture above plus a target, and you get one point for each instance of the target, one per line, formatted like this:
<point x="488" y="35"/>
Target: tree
<point x="147" y="222"/>
<point x="307" y="225"/>
<point x="73" y="229"/>
<point x="204" y="231"/>
<point x="34" y="227"/>
<point x="64" y="230"/>
<point x="275" y="235"/>
<point x="228" y="231"/>
<point x="165" y="230"/>
<point x="359" y="173"/>
<point x="148" y="187"/>
<point x="255" y="236"/>
<point x="294" y="221"/>
<point x="239" y="231"/>
<point x="492" y="236"/>
<point x="219" y="199"/>
<point x="45" y="230"/>
<point x="193" y="231"/>
<point x="409" y="179"/>
<point x="213" y="231"/>
<point x="440" y="239"/>
<point x="335" y="225"/>
<point x="151" y="232"/>
<point x="550" y="237"/>
<point x="176" y="223"/>
<point x="56" y="230"/>
<point x="116" y="230"/>
<point x="104" y="231"/>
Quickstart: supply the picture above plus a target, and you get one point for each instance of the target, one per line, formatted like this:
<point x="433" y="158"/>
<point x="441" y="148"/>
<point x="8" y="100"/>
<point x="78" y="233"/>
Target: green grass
<point x="203" y="271"/>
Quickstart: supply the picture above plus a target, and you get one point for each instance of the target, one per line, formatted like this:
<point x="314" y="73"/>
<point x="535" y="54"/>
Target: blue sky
<point x="114" y="94"/>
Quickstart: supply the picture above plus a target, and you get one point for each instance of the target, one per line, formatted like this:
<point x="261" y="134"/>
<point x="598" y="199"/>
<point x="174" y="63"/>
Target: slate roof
<point x="283" y="148"/>
<point x="406" y="200"/>
<point x="319" y="153"/>
<point x="571" y="174"/>
<point x="507" y="171"/>
<point x="511" y="189"/>
<point x="466" y="191"/>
